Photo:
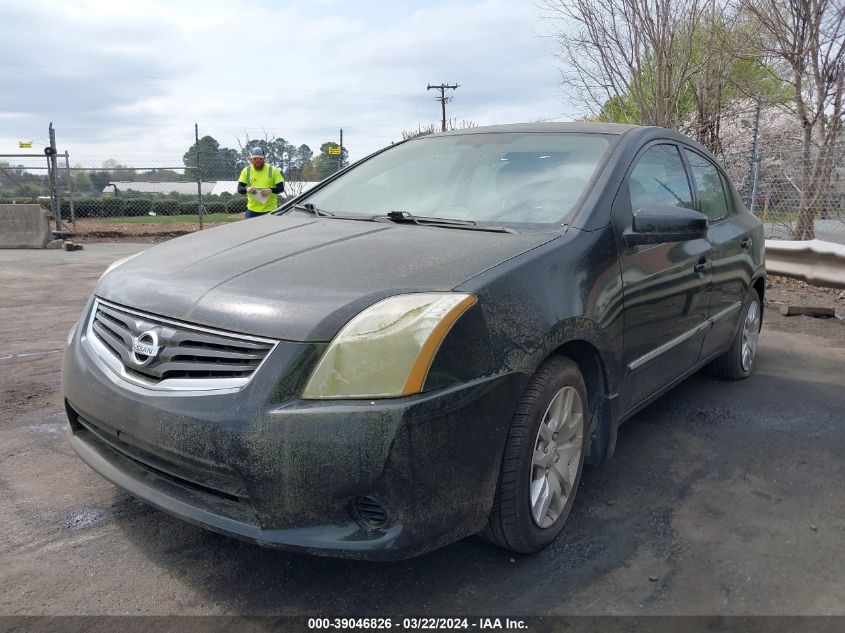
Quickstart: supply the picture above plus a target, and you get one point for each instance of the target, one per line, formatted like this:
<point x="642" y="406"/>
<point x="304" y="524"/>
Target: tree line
<point x="297" y="163"/>
<point x="694" y="65"/>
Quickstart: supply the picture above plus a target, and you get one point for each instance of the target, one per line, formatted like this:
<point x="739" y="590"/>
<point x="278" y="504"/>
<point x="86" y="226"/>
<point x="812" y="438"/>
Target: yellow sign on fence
<point x="25" y="144"/>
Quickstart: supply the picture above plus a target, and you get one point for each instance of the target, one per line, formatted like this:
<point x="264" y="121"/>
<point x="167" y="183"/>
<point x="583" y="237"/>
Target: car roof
<point x="583" y="128"/>
<point x="634" y="135"/>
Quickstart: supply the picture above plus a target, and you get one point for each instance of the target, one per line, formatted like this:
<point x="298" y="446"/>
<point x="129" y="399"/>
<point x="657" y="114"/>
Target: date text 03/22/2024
<point x="422" y="624"/>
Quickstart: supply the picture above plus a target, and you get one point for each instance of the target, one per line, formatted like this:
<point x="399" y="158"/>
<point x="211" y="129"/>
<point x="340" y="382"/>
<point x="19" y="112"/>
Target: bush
<point x="25" y="200"/>
<point x="111" y="206"/>
<point x="189" y="208"/>
<point x="215" y="207"/>
<point x="85" y="207"/>
<point x="138" y="206"/>
<point x="236" y="205"/>
<point x="166" y="207"/>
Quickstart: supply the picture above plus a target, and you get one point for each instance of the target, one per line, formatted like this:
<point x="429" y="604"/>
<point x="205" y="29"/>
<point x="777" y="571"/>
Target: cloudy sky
<point x="127" y="80"/>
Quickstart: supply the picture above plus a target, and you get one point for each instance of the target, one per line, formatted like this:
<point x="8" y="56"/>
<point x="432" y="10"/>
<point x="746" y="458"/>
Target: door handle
<point x="746" y="243"/>
<point x="702" y="268"/>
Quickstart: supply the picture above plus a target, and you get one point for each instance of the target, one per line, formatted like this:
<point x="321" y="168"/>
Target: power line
<point x="414" y="112"/>
<point x="443" y="99"/>
<point x="84" y="74"/>
<point x="518" y="62"/>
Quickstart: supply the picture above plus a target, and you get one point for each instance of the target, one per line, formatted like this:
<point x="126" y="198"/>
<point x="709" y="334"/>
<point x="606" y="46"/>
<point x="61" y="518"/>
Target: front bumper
<point x="265" y="466"/>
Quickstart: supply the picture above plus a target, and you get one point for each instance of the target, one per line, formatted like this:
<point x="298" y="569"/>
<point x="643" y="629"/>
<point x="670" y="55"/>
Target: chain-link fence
<point x="156" y="190"/>
<point x="143" y="194"/>
<point x="797" y="196"/>
<point x="161" y="194"/>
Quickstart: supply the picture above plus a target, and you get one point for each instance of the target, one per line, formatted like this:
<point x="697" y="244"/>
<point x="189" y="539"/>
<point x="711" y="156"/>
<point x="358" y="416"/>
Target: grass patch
<point x="170" y="219"/>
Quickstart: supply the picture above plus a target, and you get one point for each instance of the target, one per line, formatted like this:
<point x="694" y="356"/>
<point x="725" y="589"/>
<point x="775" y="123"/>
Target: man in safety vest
<point x="260" y="182"/>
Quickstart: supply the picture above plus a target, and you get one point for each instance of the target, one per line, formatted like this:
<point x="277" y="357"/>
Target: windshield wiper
<point x="312" y="209"/>
<point x="404" y="216"/>
<point x="450" y="223"/>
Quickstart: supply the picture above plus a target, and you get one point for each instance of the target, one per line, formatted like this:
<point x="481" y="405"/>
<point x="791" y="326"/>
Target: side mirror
<point x="659" y="225"/>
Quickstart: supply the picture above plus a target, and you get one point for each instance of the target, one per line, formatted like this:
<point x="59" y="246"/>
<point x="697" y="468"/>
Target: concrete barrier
<point x="813" y="261"/>
<point x="24" y="226"/>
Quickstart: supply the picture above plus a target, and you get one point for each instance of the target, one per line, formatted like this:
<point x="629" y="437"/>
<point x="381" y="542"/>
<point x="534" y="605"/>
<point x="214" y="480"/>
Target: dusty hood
<point x="301" y="278"/>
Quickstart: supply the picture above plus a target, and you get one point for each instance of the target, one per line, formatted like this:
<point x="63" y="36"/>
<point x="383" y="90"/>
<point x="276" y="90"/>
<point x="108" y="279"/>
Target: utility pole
<point x="55" y="194"/>
<point x="340" y="157"/>
<point x="199" y="173"/>
<point x="443" y="99"/>
<point x="70" y="191"/>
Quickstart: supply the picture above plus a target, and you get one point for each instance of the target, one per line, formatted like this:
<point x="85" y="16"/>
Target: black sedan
<point x="428" y="345"/>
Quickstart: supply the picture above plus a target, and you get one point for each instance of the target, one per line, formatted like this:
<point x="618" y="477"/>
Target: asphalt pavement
<point x="723" y="498"/>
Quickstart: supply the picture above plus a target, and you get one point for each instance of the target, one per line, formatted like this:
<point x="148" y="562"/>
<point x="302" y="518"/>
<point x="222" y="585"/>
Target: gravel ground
<point x="90" y="231"/>
<point x="783" y="290"/>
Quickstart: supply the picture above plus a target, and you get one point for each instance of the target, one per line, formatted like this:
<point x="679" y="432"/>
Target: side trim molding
<point x="659" y="351"/>
<point x="726" y="312"/>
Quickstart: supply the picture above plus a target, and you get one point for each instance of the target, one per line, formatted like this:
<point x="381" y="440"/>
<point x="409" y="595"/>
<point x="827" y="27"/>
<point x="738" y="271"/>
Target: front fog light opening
<point x="369" y="513"/>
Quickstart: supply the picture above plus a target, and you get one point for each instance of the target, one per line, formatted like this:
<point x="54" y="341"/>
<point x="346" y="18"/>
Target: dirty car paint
<point x="263" y="464"/>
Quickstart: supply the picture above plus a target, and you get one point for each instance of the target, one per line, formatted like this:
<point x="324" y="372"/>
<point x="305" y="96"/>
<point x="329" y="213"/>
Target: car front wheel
<point x="543" y="460"/>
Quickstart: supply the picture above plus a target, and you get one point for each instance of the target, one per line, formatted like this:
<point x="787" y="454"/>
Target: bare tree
<point x="434" y="128"/>
<point x="682" y="64"/>
<point x="637" y="55"/>
<point x="431" y="128"/>
<point x="728" y="72"/>
<point x="807" y="38"/>
<point x="294" y="188"/>
<point x="246" y="144"/>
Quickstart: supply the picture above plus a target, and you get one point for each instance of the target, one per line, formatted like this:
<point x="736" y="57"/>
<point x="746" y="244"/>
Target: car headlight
<point x="120" y="261"/>
<point x="387" y="349"/>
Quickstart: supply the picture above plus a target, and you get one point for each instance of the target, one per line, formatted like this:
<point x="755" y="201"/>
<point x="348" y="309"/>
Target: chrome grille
<point x="165" y="354"/>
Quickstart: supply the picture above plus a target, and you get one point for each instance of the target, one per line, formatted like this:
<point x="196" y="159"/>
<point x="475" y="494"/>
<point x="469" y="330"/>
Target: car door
<point x="731" y="241"/>
<point x="665" y="286"/>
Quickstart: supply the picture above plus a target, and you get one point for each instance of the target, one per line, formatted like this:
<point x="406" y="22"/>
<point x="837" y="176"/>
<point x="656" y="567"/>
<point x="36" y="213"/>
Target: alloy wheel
<point x="557" y="454"/>
<point x="750" y="334"/>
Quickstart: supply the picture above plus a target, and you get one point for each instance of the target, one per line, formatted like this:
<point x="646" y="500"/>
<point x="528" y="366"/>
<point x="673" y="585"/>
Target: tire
<point x="738" y="362"/>
<point x="515" y="523"/>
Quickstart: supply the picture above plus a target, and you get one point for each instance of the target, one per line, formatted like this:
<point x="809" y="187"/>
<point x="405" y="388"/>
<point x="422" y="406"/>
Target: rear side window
<point x="708" y="186"/>
<point x="659" y="179"/>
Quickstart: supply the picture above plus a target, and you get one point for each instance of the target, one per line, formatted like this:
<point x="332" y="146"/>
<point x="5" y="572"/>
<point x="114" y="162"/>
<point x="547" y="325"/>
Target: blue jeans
<point x="254" y="214"/>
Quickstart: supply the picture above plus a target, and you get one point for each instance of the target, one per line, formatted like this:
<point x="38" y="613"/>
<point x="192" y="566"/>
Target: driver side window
<point x="659" y="179"/>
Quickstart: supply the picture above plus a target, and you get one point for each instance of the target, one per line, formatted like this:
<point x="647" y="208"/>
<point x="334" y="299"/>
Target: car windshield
<point x="504" y="178"/>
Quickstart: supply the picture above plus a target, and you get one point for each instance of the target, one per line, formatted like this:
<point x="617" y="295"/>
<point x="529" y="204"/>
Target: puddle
<point x="7" y="357"/>
<point x="51" y="429"/>
<point x="84" y="518"/>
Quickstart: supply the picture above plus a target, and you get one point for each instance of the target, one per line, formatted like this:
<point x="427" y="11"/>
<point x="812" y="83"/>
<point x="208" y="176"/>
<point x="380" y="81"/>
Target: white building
<point x="163" y="188"/>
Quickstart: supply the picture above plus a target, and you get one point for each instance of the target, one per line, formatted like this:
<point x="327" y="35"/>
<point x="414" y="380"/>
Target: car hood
<point x="301" y="278"/>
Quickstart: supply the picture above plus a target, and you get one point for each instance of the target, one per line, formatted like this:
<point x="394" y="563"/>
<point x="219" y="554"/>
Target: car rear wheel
<point x="738" y="362"/>
<point x="543" y="460"/>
